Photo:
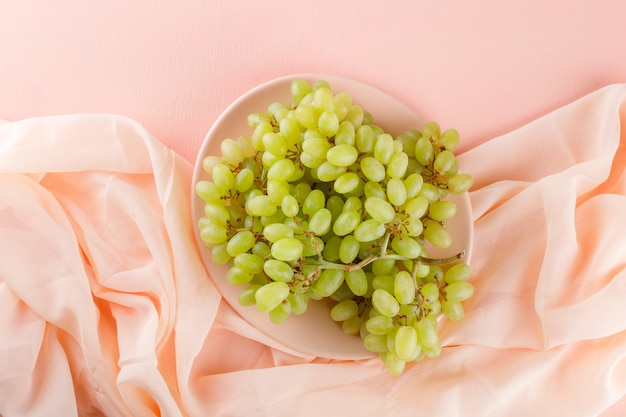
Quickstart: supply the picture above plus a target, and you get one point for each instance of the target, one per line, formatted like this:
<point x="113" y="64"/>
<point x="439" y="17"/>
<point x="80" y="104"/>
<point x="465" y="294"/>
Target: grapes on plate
<point x="316" y="202"/>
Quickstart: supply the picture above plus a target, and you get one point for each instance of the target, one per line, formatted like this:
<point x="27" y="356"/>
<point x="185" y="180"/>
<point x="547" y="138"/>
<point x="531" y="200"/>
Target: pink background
<point x="482" y="67"/>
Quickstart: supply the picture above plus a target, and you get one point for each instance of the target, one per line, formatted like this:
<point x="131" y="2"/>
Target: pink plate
<point x="313" y="333"/>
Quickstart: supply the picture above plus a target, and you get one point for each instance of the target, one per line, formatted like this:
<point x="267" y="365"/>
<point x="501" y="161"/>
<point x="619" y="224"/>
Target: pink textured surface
<point x="482" y="67"/>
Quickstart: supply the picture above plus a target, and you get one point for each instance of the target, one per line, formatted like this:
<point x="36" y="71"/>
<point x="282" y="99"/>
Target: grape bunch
<point x="317" y="202"/>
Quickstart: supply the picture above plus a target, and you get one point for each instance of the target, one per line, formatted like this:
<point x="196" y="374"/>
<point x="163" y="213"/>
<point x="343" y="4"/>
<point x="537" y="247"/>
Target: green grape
<point x="237" y="276"/>
<point x="365" y="139"/>
<point x="329" y="281"/>
<point x="255" y="118"/>
<point x="349" y="249"/>
<point x="346" y="183"/>
<point x="352" y="203"/>
<point x="426" y="332"/>
<point x="424" y="152"/>
<point x="328" y="123"/>
<point x="299" y="303"/>
<point x="278" y="270"/>
<point x="374" y="189"/>
<point x="270" y="295"/>
<point x="289" y="206"/>
<point x="342" y="155"/>
<point x="241" y="242"/>
<point x="209" y="162"/>
<point x="287" y="249"/>
<point x="276" y="191"/>
<point x="223" y="177"/>
<point x="281" y="170"/>
<point x="430" y="192"/>
<point x="344" y="310"/>
<point x="323" y="98"/>
<point x="213" y="234"/>
<point x="395" y="365"/>
<point x="219" y="254"/>
<point x="261" y="249"/>
<point x="346" y="222"/>
<point x="310" y="161"/>
<point x="385" y="282"/>
<point x="375" y="342"/>
<point x="379" y="209"/>
<point x="280" y="313"/>
<point x="406" y="342"/>
<point x="446" y="163"/>
<point x="436" y="234"/>
<point x="244" y="180"/>
<point x="460" y="183"/>
<point x="413" y="184"/>
<point x="416" y="207"/>
<point x="216" y="213"/>
<point x="406" y="246"/>
<point x="208" y="191"/>
<point x="298" y="89"/>
<point x="357" y="281"/>
<point x="260" y="205"/>
<point x="328" y="172"/>
<point x="342" y="293"/>
<point x="442" y="210"/>
<point x="379" y="325"/>
<point x="249" y="262"/>
<point x="385" y="303"/>
<point x="449" y="139"/>
<point x="346" y="134"/>
<point x="314" y="201"/>
<point x="352" y="325"/>
<point x="246" y="296"/>
<point x="383" y="148"/>
<point x="408" y="143"/>
<point x="404" y="288"/>
<point x="396" y="192"/>
<point x="458" y="291"/>
<point x="397" y="165"/>
<point x="369" y="230"/>
<point x="430" y="293"/>
<point x="317" y="147"/>
<point x="355" y="115"/>
<point x="320" y="222"/>
<point x="453" y="310"/>
<point x="457" y="273"/>
<point x="383" y="266"/>
<point x="274" y="232"/>
<point x="331" y="249"/>
<point x="307" y="115"/>
<point x="335" y="205"/>
<point x="231" y="152"/>
<point x="431" y="130"/>
<point x="372" y="169"/>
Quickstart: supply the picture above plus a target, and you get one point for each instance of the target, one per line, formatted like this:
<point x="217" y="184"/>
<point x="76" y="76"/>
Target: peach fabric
<point x="105" y="308"/>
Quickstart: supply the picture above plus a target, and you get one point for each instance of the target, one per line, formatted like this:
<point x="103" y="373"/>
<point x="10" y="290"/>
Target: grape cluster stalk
<point x="317" y="202"/>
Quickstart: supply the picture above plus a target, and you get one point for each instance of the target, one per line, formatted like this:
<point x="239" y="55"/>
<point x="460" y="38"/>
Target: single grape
<point x="442" y="210"/>
<point x="456" y="273"/>
<point x="385" y="303"/>
<point x="369" y="230"/>
<point x="320" y="222"/>
<point x="404" y="288"/>
<point x="458" y="291"/>
<point x="329" y="281"/>
<point x="287" y="249"/>
<point x="406" y="342"/>
<point x="357" y="281"/>
<point x="372" y="169"/>
<point x="453" y="310"/>
<point x="380" y="325"/>
<point x="270" y="295"/>
<point x="344" y="310"/>
<point x="379" y="209"/>
<point x="398" y="164"/>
